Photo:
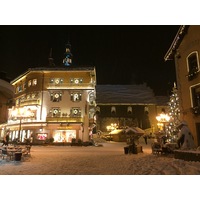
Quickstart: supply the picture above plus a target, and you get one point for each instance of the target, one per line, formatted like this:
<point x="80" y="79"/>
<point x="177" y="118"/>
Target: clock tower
<point x="67" y="61"/>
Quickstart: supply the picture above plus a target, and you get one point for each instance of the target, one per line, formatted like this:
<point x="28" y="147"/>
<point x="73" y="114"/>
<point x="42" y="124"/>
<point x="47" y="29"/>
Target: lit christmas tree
<point x="174" y="113"/>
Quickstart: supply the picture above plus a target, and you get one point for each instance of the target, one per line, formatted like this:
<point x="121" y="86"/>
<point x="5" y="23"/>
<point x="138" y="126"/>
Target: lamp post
<point x="20" y="113"/>
<point x="163" y="119"/>
<point x="112" y="127"/>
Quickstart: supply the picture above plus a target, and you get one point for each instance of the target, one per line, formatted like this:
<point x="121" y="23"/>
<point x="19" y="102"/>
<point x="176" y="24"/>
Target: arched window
<point x="113" y="109"/>
<point x="192" y="65"/>
<point x="129" y="109"/>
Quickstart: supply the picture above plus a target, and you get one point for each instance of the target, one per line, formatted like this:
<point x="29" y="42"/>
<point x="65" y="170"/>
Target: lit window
<point x="19" y="89"/>
<point x="129" y="109"/>
<point x="76" y="80"/>
<point x="55" y="112"/>
<point x="91" y="98"/>
<point x="34" y="81"/>
<point x="57" y="81"/>
<point x="76" y="97"/>
<point x="41" y="136"/>
<point x="56" y="96"/>
<point x="29" y="83"/>
<point x="75" y="112"/>
<point x="113" y="109"/>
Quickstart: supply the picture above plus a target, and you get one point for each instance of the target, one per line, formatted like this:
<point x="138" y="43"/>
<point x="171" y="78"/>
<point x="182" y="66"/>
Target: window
<point x="193" y="65"/>
<point x="75" y="112"/>
<point x="91" y="98"/>
<point x="55" y="112"/>
<point x="76" y="80"/>
<point x="29" y="83"/>
<point x="56" y="96"/>
<point x="195" y="98"/>
<point x="20" y="88"/>
<point x="56" y="81"/>
<point x="34" y="82"/>
<point x="113" y="109"/>
<point x="129" y="110"/>
<point x="76" y="96"/>
<point x="41" y="136"/>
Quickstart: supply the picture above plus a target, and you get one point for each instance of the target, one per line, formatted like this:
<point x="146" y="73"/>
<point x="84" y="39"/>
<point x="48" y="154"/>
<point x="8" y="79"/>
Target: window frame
<point x="191" y="71"/>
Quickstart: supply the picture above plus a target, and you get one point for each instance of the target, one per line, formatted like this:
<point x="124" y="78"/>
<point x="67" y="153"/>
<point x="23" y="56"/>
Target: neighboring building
<point x="6" y="95"/>
<point x="53" y="102"/>
<point x="127" y="105"/>
<point x="185" y="51"/>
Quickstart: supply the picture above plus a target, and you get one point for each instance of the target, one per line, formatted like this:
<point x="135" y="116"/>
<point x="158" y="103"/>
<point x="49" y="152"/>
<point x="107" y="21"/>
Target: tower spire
<point x="67" y="61"/>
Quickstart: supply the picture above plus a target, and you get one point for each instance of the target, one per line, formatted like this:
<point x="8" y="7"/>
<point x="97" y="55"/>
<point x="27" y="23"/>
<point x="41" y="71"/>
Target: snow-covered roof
<point x="124" y="94"/>
<point x="162" y="100"/>
<point x="176" y="42"/>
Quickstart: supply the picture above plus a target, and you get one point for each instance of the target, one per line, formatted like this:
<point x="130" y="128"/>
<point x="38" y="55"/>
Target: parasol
<point x="135" y="131"/>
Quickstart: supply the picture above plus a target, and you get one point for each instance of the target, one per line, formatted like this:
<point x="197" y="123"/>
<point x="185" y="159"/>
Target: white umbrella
<point x="136" y="131"/>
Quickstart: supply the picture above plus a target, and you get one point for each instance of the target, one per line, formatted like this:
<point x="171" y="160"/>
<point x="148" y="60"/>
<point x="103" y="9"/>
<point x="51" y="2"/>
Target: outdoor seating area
<point x="15" y="153"/>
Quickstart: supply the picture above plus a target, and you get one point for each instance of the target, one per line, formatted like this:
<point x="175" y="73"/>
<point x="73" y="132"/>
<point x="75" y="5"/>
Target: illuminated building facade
<point x="54" y="103"/>
<point x="120" y="106"/>
<point x="185" y="51"/>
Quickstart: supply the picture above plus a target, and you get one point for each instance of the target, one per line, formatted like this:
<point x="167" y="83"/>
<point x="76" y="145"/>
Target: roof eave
<point x="176" y="42"/>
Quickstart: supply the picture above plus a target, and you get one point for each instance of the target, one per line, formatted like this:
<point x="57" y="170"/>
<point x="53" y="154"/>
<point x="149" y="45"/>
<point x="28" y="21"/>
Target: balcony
<point x="64" y="119"/>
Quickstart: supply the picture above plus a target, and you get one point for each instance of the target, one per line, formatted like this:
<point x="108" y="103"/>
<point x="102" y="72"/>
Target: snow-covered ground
<point x="107" y="160"/>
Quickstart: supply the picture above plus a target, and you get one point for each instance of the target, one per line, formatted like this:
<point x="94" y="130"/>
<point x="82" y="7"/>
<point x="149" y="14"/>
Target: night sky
<point x="122" y="54"/>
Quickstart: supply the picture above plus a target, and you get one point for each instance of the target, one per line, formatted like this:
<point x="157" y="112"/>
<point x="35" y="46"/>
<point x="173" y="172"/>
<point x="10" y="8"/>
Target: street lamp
<point x="111" y="128"/>
<point x="163" y="119"/>
<point x="20" y="113"/>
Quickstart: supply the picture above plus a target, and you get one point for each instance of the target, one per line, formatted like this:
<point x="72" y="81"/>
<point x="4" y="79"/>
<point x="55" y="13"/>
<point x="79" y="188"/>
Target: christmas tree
<point x="174" y="113"/>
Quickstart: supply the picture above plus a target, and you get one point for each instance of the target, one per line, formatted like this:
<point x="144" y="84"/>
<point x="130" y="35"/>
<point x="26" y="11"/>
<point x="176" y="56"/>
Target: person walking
<point x="145" y="139"/>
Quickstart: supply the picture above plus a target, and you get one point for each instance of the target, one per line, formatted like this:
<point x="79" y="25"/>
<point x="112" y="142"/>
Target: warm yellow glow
<point x="112" y="127"/>
<point x="21" y="112"/>
<point x="163" y="118"/>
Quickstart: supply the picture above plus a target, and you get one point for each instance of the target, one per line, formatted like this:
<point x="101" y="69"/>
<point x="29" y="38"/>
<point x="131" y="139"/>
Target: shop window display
<point x="42" y="136"/>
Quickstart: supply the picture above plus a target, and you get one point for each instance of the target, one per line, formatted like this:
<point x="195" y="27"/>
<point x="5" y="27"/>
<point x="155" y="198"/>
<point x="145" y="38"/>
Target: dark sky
<point x="122" y="54"/>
